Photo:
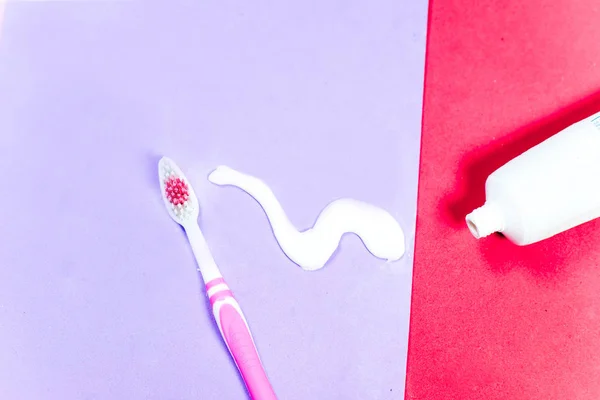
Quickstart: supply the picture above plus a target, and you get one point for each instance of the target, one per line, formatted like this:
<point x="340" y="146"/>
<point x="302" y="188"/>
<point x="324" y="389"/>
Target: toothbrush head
<point x="177" y="193"/>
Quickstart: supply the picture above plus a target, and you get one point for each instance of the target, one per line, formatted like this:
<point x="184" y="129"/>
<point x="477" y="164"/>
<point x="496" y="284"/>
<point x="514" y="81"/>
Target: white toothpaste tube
<point x="548" y="189"/>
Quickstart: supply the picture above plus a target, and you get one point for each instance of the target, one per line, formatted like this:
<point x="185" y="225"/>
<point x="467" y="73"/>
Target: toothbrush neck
<point x="206" y="264"/>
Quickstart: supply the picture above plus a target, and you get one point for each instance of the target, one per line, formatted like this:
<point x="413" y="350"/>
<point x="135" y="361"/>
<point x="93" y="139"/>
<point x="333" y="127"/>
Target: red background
<point x="491" y="320"/>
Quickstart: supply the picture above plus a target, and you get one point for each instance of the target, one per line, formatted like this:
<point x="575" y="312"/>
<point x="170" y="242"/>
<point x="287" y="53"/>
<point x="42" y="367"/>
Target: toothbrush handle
<point x="237" y="336"/>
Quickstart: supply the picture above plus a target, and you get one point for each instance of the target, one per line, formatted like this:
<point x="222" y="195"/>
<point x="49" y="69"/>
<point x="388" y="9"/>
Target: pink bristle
<point x="176" y="190"/>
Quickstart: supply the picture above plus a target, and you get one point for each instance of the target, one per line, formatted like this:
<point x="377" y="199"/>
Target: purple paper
<point x="99" y="294"/>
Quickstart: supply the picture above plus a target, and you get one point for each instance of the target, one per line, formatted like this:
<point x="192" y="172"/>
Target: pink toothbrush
<point x="183" y="207"/>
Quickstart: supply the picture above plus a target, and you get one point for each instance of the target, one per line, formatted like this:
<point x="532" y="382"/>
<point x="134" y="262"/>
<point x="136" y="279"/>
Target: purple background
<point x="99" y="297"/>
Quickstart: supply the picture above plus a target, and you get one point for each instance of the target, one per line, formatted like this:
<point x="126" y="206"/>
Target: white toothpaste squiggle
<point x="311" y="249"/>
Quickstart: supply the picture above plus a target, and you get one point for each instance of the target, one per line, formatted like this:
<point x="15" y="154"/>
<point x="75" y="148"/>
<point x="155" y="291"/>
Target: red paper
<point x="491" y="320"/>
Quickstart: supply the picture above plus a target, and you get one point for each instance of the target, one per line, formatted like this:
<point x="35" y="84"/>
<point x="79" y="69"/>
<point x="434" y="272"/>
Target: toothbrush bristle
<point x="178" y="193"/>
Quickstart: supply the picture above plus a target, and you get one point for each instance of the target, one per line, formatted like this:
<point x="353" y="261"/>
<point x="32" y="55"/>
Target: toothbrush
<point x="183" y="207"/>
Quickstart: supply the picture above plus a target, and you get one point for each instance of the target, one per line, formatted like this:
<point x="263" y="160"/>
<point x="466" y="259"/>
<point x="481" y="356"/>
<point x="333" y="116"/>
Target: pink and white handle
<point x="237" y="336"/>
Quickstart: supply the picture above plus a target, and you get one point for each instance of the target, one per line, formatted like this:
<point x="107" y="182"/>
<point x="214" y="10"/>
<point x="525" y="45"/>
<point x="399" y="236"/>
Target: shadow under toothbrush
<point x="217" y="333"/>
<point x="203" y="299"/>
<point x="152" y="160"/>
<point x="548" y="257"/>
